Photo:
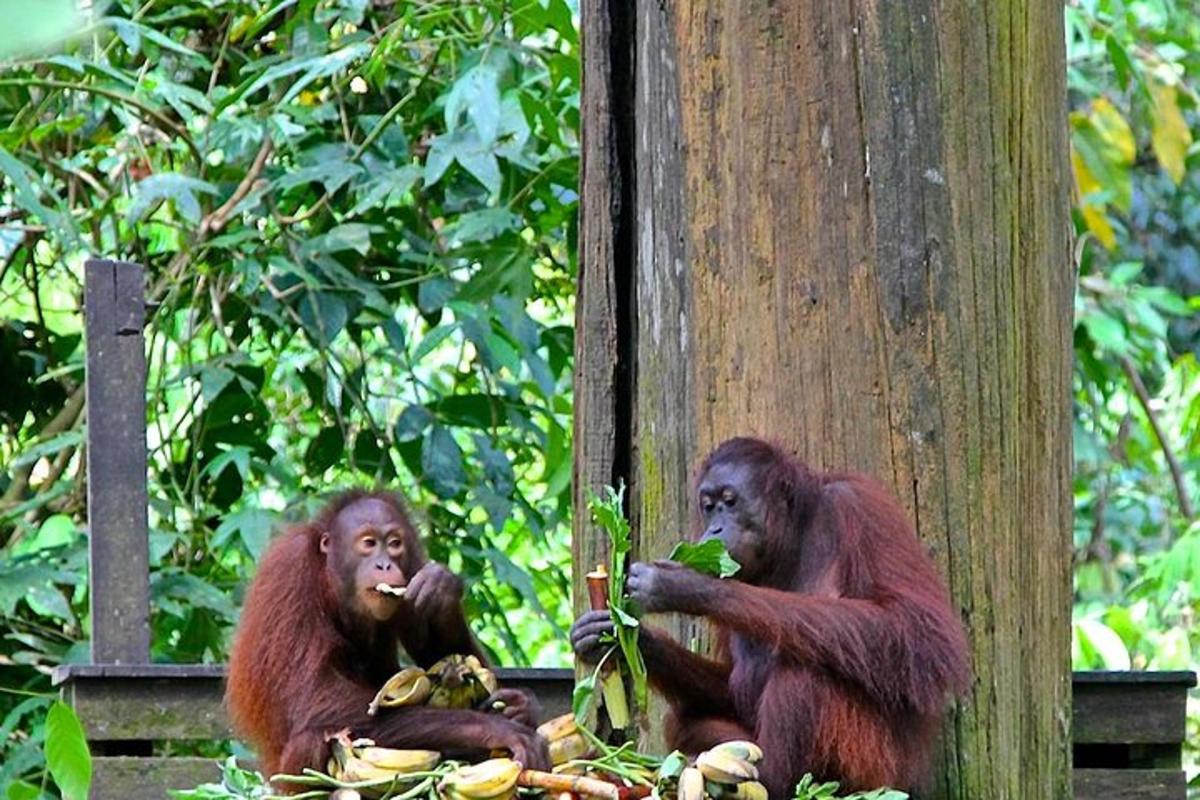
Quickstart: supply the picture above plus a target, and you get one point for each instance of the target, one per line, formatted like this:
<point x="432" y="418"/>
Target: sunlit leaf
<point x="67" y="756"/>
<point x="1170" y="135"/>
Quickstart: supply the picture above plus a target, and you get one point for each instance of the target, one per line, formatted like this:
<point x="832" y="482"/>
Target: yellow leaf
<point x="1094" y="215"/>
<point x="1170" y="136"/>
<point x="1114" y="130"/>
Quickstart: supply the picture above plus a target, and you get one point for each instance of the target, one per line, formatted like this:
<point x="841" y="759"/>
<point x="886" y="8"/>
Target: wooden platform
<point x="1128" y="727"/>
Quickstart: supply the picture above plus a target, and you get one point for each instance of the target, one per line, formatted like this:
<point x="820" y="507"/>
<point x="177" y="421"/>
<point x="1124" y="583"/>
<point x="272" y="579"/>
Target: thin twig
<point x="1139" y="388"/>
<point x="215" y="221"/>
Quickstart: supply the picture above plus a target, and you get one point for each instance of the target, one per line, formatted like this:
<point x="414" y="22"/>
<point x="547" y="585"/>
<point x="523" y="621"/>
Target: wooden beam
<point x="116" y="463"/>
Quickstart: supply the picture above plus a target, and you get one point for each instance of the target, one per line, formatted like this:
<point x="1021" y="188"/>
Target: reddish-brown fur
<point x="301" y="667"/>
<point x="839" y="661"/>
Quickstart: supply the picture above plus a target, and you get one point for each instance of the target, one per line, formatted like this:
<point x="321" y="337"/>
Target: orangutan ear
<point x="325" y="543"/>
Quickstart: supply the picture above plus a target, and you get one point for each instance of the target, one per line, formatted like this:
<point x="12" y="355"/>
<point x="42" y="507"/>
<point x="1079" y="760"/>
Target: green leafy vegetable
<point x="709" y="557"/>
<point x="608" y="512"/>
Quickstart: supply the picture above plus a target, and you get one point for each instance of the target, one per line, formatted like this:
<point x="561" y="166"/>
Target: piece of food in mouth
<point x="387" y="588"/>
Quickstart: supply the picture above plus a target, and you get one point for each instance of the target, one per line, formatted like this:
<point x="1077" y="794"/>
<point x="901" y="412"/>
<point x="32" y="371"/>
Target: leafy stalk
<point x="608" y="512"/>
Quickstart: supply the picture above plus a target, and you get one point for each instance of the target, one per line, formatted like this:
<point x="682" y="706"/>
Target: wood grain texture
<point x="853" y="237"/>
<point x="1134" y="784"/>
<point x="603" y="370"/>
<point x="116" y="463"/>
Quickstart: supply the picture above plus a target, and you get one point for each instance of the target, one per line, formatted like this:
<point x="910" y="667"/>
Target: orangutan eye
<point x="706" y="504"/>
<point x="730" y="499"/>
<point x="395" y="544"/>
<point x="368" y="543"/>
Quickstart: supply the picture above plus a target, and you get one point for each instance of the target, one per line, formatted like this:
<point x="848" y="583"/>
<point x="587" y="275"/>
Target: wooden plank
<point x="840" y="249"/>
<point x="116" y="463"/>
<point x="605" y="294"/>
<point x="175" y="701"/>
<point x="149" y="708"/>
<point x="1143" y="713"/>
<point x="133" y="778"/>
<point x="1131" y="784"/>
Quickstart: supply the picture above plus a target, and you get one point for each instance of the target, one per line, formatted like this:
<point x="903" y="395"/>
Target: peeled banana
<point x="494" y="779"/>
<point x="408" y="687"/>
<point x="722" y="767"/>
<point x="691" y="784"/>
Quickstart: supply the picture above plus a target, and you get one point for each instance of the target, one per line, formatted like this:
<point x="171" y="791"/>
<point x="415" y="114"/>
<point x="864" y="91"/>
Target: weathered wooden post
<point x="845" y="226"/>
<point x="115" y="311"/>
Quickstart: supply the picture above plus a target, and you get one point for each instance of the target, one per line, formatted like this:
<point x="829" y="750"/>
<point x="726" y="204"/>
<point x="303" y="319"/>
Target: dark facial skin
<point x="365" y="546"/>
<point x="733" y="511"/>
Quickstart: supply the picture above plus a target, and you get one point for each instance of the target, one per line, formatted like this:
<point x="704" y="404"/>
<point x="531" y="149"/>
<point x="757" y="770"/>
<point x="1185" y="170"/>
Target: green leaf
<point x="132" y="32"/>
<point x="477" y="93"/>
<point x="252" y="525"/>
<point x="67" y="756"/>
<point x="442" y="463"/>
<point x="709" y="557"/>
<point x="412" y="423"/>
<point x="180" y="189"/>
<point x="583" y="697"/>
<point x="1121" y="62"/>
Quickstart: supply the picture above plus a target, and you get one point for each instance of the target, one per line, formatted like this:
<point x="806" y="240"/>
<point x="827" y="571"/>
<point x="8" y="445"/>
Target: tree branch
<point x="1139" y="388"/>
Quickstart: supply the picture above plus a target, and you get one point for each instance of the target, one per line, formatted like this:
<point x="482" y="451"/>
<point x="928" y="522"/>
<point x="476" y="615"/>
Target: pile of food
<point x="584" y="767"/>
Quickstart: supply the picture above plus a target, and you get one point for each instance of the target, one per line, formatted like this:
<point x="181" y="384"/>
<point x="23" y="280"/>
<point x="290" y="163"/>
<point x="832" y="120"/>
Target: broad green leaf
<point x="477" y="93"/>
<point x="412" y="423"/>
<point x="132" y="32"/>
<point x="1107" y="332"/>
<point x="67" y="756"/>
<point x="442" y="462"/>
<point x="1170" y="135"/>
<point x="583" y="697"/>
<point x="709" y="557"/>
<point x="1101" y="644"/>
<point x="180" y="189"/>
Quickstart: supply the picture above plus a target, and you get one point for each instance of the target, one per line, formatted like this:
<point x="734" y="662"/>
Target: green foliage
<point x="809" y="789"/>
<point x="67" y="756"/>
<point x="709" y="557"/>
<point x="608" y="511"/>
<point x="1133" y="75"/>
<point x="236" y="784"/>
<point x="357" y="221"/>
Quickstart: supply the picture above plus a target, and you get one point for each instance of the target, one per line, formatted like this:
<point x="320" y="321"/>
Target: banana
<point x="691" y="784"/>
<point x="720" y="767"/>
<point x="482" y="675"/>
<point x="558" y="728"/>
<point x="494" y="778"/>
<point x="750" y="790"/>
<point x="460" y="682"/>
<point x="746" y="751"/>
<point x="408" y="687"/>
<point x="568" y="748"/>
<point x="400" y="761"/>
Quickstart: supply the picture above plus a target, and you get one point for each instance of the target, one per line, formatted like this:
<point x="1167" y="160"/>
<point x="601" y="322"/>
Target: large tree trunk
<point x="845" y="226"/>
